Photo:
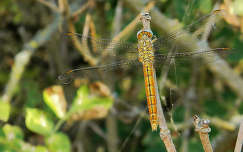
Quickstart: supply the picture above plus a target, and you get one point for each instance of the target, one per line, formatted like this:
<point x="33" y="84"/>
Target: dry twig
<point x="239" y="142"/>
<point x="82" y="47"/>
<point x="111" y="120"/>
<point x="222" y="123"/>
<point x="50" y="5"/>
<point x="210" y="24"/>
<point x="81" y="9"/>
<point x="201" y="126"/>
<point x="118" y="18"/>
<point x="164" y="131"/>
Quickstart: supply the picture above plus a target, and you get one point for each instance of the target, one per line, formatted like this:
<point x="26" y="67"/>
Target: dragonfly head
<point x="145" y="15"/>
<point x="145" y="19"/>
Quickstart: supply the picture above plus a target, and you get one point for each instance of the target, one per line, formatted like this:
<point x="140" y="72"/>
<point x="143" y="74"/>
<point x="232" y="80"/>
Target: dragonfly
<point x="145" y="54"/>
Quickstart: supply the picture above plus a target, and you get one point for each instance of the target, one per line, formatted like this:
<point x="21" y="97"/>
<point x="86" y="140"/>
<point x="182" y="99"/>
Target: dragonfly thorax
<point x="145" y="50"/>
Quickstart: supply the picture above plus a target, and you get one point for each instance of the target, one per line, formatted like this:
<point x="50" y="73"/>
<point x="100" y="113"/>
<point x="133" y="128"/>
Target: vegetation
<point x="47" y="106"/>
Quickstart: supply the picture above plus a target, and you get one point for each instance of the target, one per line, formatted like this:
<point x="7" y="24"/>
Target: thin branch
<point x="111" y="120"/>
<point x="202" y="127"/>
<point x="164" y="131"/>
<point x="97" y="130"/>
<point x="118" y="18"/>
<point x="93" y="34"/>
<point x="190" y="96"/>
<point x="81" y="47"/>
<point x="81" y="9"/>
<point x="84" y="51"/>
<point x="61" y="5"/>
<point x="64" y="8"/>
<point x="239" y="142"/>
<point x="50" y="5"/>
<point x="112" y="137"/>
<point x="217" y="122"/>
<point x="86" y="29"/>
<point x="210" y="24"/>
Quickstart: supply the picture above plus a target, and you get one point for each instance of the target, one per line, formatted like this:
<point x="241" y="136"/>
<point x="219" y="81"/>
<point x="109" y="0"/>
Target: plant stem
<point x="239" y="142"/>
<point x="202" y="127"/>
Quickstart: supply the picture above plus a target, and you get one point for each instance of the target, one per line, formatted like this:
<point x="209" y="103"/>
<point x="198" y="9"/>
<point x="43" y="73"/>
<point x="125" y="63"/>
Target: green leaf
<point x="54" y="98"/>
<point x="58" y="142"/>
<point x="13" y="132"/>
<point x="205" y="6"/>
<point x="90" y="106"/>
<point x="4" y="111"/>
<point x="38" y="122"/>
<point x="41" y="149"/>
<point x="13" y="145"/>
<point x="18" y="145"/>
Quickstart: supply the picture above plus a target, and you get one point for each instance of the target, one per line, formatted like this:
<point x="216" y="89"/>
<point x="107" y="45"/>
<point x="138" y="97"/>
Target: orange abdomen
<point x="148" y="71"/>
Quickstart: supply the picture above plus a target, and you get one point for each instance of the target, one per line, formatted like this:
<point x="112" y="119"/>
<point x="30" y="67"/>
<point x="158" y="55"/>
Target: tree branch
<point x="50" y="5"/>
<point x="239" y="142"/>
<point x="201" y="126"/>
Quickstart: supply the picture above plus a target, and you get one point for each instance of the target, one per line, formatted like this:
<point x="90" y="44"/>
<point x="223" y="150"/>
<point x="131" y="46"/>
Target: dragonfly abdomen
<point x="150" y="94"/>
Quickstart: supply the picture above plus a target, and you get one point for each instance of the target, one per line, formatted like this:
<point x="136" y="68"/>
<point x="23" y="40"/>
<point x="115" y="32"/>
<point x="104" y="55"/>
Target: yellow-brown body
<point x="146" y="56"/>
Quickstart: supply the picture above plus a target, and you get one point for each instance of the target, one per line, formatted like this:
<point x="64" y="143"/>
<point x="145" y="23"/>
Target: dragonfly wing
<point x="110" y="45"/>
<point x="167" y="41"/>
<point x="96" y="71"/>
<point x="184" y="57"/>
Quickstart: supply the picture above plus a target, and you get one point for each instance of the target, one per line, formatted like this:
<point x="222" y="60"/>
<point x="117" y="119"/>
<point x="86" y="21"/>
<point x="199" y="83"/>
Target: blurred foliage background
<point x="106" y="110"/>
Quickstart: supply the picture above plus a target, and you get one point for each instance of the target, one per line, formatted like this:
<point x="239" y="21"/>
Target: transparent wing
<point x="183" y="57"/>
<point x="112" y="46"/>
<point x="125" y="54"/>
<point x="96" y="71"/>
<point x="131" y="62"/>
<point x="167" y="41"/>
<point x="104" y="43"/>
